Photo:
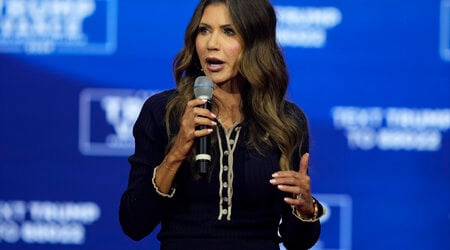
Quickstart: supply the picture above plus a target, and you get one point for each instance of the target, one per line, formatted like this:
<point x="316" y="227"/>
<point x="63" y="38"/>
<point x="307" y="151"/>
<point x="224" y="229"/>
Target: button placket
<point x="227" y="145"/>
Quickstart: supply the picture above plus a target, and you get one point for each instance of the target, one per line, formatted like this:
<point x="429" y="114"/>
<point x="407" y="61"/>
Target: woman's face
<point x="218" y="45"/>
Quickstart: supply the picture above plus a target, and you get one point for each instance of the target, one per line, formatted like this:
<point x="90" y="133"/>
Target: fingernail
<point x="213" y="115"/>
<point x="272" y="181"/>
<point x="274" y="175"/>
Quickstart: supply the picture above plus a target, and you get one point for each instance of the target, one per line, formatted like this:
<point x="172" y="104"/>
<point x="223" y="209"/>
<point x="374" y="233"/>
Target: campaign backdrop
<point x="372" y="76"/>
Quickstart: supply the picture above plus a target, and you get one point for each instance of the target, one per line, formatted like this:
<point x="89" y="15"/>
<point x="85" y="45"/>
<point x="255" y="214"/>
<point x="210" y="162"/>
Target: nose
<point x="213" y="41"/>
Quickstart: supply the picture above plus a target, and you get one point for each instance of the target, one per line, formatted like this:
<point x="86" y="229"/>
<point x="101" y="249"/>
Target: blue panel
<point x="373" y="78"/>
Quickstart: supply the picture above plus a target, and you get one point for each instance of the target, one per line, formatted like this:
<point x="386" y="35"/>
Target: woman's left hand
<point x="298" y="184"/>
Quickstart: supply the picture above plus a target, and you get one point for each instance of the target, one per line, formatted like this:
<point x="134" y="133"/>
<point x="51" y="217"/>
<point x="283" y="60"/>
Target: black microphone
<point x="203" y="89"/>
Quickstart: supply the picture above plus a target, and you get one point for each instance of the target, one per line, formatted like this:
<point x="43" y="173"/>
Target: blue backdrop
<point x="372" y="76"/>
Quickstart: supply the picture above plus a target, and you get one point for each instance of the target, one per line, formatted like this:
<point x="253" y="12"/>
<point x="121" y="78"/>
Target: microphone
<point x="203" y="89"/>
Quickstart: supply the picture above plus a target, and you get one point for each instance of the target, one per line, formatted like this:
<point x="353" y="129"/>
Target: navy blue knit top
<point x="235" y="208"/>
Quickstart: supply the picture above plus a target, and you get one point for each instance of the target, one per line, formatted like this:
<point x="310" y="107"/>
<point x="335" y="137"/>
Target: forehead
<point x="216" y="13"/>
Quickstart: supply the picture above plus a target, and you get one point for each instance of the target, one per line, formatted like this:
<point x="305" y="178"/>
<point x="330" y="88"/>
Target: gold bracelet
<point x="315" y="214"/>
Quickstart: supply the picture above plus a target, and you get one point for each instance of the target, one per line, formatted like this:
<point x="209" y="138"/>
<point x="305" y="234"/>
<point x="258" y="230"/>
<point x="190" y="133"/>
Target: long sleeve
<point x="297" y="234"/>
<point x="141" y="206"/>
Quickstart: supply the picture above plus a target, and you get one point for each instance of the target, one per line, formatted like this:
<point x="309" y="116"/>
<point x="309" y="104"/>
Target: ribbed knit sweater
<point x="235" y="208"/>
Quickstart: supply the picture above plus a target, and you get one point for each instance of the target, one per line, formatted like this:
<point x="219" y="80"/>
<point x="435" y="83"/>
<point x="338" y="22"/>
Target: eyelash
<point x="227" y="31"/>
<point x="202" y="30"/>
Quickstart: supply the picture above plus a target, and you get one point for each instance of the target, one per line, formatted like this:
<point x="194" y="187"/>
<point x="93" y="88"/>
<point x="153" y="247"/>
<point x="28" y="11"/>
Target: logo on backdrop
<point x="445" y="30"/>
<point x="46" y="222"/>
<point x="392" y="128"/>
<point x="305" y="26"/>
<point x="106" y="120"/>
<point x="58" y="26"/>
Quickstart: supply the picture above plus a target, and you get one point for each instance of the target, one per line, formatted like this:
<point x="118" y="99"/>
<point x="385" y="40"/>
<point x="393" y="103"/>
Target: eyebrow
<point x="221" y="26"/>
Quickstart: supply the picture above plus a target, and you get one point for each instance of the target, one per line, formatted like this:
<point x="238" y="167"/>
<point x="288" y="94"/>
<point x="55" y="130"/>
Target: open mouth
<point x="213" y="61"/>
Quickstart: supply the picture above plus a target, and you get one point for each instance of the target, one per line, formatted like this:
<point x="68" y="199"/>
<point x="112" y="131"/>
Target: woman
<point x="258" y="176"/>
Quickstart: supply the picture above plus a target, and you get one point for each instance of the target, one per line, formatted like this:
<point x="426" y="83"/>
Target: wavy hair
<point x="261" y="64"/>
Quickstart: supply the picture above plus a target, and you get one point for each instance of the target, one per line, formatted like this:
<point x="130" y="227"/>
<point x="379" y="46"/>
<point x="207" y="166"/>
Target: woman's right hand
<point x="193" y="116"/>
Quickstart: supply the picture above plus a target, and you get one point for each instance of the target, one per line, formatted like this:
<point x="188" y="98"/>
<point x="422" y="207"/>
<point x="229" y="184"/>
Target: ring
<point x="298" y="196"/>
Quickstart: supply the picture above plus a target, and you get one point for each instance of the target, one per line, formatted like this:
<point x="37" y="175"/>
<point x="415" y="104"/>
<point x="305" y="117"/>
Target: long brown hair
<point x="261" y="64"/>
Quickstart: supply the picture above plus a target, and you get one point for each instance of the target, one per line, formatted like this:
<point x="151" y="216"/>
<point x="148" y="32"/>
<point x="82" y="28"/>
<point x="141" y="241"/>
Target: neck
<point x="229" y="93"/>
<point x="228" y="106"/>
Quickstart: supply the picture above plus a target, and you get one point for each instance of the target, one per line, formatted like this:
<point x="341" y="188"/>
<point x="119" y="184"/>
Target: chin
<point x="220" y="79"/>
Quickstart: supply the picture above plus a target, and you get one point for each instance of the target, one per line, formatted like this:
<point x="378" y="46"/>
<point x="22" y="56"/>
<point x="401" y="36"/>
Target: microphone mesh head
<point x="203" y="87"/>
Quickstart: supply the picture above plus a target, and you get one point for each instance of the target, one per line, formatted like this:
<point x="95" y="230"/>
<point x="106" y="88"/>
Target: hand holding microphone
<point x="203" y="89"/>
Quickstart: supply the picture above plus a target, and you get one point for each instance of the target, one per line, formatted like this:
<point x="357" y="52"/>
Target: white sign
<point x="46" y="222"/>
<point x="106" y="120"/>
<point x="58" y="26"/>
<point x="392" y="128"/>
<point x="305" y="26"/>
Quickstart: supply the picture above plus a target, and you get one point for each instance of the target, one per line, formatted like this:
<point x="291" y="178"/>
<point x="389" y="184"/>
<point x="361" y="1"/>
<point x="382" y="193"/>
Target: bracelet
<point x="316" y="214"/>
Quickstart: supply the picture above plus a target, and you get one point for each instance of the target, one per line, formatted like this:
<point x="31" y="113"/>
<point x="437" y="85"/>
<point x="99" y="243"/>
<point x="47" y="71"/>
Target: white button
<point x="225" y="168"/>
<point x="225" y="152"/>
<point x="225" y="184"/>
<point x="231" y="141"/>
<point x="224" y="211"/>
<point x="225" y="199"/>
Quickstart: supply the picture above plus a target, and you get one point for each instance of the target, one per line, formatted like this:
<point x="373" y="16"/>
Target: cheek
<point x="197" y="46"/>
<point x="235" y="51"/>
<point x="200" y="52"/>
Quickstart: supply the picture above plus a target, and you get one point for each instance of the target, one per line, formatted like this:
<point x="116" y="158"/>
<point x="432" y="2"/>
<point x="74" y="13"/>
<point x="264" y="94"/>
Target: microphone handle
<point x="203" y="157"/>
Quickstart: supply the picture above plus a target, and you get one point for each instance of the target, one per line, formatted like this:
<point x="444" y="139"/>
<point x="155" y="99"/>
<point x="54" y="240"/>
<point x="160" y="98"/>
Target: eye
<point x="229" y="31"/>
<point x="202" y="30"/>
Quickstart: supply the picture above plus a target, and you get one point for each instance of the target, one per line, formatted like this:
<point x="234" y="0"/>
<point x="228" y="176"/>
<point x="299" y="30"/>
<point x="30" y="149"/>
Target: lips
<point x="214" y="64"/>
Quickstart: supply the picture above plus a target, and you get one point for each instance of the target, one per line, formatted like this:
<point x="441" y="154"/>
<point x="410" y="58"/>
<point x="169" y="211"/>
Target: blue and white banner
<point x="373" y="78"/>
<point x="58" y="26"/>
